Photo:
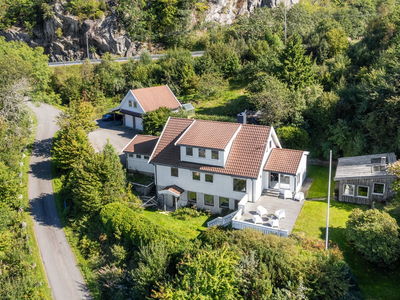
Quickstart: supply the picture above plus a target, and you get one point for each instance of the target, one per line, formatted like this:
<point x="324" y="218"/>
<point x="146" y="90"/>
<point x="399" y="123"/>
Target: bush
<point x="293" y="137"/>
<point x="375" y="234"/>
<point x="186" y="213"/>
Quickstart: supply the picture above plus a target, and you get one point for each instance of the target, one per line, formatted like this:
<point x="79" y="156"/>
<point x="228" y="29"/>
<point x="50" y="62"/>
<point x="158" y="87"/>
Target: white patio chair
<point x="280" y="214"/>
<point x="273" y="223"/>
<point x="299" y="196"/>
<point x="262" y="211"/>
<point x="257" y="219"/>
<point x="287" y="194"/>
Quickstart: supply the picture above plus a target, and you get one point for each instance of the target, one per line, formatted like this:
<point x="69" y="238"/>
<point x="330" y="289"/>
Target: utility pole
<point x="329" y="197"/>
<point x="87" y="44"/>
<point x="285" y="24"/>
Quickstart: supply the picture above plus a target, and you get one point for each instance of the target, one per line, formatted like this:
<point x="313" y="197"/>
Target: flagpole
<point x="329" y="197"/>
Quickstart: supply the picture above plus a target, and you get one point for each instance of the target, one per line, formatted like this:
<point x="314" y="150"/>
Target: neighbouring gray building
<point x="364" y="179"/>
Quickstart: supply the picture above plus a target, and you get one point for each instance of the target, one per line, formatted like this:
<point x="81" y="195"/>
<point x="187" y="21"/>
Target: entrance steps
<point x="271" y="192"/>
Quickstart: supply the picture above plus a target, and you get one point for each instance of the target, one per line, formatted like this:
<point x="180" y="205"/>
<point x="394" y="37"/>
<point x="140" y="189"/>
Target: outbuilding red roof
<point x="141" y="144"/>
<point x="284" y="161"/>
<point x="155" y="97"/>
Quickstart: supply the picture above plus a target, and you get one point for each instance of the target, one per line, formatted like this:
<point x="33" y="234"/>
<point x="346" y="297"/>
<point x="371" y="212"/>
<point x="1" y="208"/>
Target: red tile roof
<point x="152" y="98"/>
<point x="244" y="160"/>
<point x="141" y="144"/>
<point x="209" y="134"/>
<point x="174" y="189"/>
<point x="284" y="161"/>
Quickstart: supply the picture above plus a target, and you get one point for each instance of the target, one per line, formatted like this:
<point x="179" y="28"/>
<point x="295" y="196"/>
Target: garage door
<point x="138" y="123"/>
<point x="129" y="121"/>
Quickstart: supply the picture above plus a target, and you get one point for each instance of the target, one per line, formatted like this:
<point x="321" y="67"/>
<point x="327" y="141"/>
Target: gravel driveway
<point x="118" y="135"/>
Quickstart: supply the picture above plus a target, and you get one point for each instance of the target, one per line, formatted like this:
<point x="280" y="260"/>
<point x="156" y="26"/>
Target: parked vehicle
<point x="110" y="117"/>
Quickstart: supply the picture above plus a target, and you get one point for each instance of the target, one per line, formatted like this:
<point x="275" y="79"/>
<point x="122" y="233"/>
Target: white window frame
<point x="205" y="152"/>
<point x="193" y="172"/>
<point x="213" y="153"/>
<point x="187" y="148"/>
<point x="354" y="189"/>
<point x="135" y="104"/>
<point x="130" y="103"/>
<point x="205" y="176"/>
<point x="373" y="188"/>
<point x="177" y="175"/>
<point x="139" y="156"/>
<point x="188" y="195"/>
<point x="365" y="186"/>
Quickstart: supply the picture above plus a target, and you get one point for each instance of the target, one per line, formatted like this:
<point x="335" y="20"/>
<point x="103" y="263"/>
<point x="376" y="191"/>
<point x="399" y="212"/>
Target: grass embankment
<point x="375" y="282"/>
<point x="35" y="253"/>
<point x="188" y="228"/>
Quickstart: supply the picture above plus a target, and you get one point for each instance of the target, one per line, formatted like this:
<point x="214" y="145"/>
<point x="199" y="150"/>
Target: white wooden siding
<point x="202" y="160"/>
<point x="125" y="104"/>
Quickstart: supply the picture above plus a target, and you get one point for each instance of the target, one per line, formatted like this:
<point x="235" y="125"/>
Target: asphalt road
<point x="65" y="279"/>
<point x="119" y="59"/>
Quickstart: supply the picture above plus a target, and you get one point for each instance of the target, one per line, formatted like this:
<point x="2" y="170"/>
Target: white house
<point x="138" y="153"/>
<point x="214" y="165"/>
<point x="139" y="101"/>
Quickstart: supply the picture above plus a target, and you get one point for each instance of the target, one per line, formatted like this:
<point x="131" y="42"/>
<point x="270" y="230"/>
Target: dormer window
<point x="202" y="152"/>
<point x="189" y="151"/>
<point x="130" y="103"/>
<point x="214" y="154"/>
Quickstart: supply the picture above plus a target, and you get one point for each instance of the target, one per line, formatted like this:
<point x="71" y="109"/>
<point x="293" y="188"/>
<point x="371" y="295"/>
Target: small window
<point x="376" y="160"/>
<point x="270" y="144"/>
<point x="130" y="103"/>
<point x="239" y="185"/>
<point x="209" y="177"/>
<point x="192" y="197"/>
<point x="146" y="157"/>
<point x="214" y="154"/>
<point x="189" y="151"/>
<point x="379" y="188"/>
<point x="135" y="104"/>
<point x="362" y="191"/>
<point x="130" y="155"/>
<point x="196" y="175"/>
<point x="348" y="189"/>
<point x="209" y="200"/>
<point x="138" y="156"/>
<point x="202" y="152"/>
<point x="174" y="172"/>
<point x="223" y="202"/>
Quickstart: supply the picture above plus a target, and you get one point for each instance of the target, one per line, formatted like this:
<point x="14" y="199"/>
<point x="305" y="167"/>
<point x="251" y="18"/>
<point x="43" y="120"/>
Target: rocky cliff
<point x="65" y="38"/>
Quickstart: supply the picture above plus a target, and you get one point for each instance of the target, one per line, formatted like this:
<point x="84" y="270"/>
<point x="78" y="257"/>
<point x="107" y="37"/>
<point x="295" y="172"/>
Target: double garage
<point x="133" y="121"/>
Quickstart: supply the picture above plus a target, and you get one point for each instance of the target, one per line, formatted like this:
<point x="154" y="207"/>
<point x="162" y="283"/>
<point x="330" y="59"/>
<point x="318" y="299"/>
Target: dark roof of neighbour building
<point x="155" y="97"/>
<point x="244" y="160"/>
<point x="365" y="166"/>
<point x="284" y="161"/>
<point x="141" y="144"/>
<point x="208" y="134"/>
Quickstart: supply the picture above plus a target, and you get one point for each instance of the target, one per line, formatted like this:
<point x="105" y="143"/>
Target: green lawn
<point x="189" y="228"/>
<point x="319" y="187"/>
<point x="375" y="282"/>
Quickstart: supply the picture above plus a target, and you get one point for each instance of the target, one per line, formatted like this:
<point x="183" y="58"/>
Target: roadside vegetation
<point x="21" y="270"/>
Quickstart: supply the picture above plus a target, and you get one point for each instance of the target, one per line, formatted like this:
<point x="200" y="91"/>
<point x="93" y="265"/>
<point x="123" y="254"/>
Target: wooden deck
<point x="272" y="203"/>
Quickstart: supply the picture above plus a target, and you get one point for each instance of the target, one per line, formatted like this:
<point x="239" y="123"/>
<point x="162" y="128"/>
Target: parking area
<point x="118" y="135"/>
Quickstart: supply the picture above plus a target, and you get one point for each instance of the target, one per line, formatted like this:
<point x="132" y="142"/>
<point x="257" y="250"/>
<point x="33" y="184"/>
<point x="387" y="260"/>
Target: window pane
<point x="348" y="189"/>
<point x="138" y="156"/>
<point x="379" y="188"/>
<point x="209" y="178"/>
<point x="130" y="103"/>
<point x="224" y="202"/>
<point x="362" y="191"/>
<point x="130" y="155"/>
<point x="239" y="185"/>
<point x="214" y="154"/>
<point x="192" y="196"/>
<point x="135" y="104"/>
<point x="189" y="151"/>
<point x="196" y="175"/>
<point x="209" y="200"/>
<point x="174" y="172"/>
<point x="202" y="152"/>
<point x="146" y="157"/>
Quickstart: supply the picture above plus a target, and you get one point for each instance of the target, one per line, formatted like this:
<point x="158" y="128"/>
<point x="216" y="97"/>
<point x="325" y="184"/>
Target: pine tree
<point x="296" y="68"/>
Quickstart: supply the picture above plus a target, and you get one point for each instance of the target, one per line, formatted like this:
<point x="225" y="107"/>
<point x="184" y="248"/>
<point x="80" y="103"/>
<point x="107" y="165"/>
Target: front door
<point x="274" y="181"/>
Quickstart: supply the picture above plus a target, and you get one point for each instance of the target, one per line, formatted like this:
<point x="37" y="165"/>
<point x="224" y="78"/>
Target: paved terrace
<point x="273" y="203"/>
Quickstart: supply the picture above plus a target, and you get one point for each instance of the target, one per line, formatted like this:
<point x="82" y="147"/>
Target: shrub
<point x="293" y="137"/>
<point x="186" y="213"/>
<point x="375" y="234"/>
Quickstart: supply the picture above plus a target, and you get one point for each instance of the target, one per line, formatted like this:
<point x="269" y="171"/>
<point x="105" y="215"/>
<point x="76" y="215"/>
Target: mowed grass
<point x="188" y="228"/>
<point x="375" y="282"/>
<point x="319" y="187"/>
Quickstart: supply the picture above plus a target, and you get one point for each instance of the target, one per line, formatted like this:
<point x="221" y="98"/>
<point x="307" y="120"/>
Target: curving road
<point x="65" y="279"/>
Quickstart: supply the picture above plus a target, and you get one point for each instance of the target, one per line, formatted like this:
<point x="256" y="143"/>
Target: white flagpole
<point x="329" y="197"/>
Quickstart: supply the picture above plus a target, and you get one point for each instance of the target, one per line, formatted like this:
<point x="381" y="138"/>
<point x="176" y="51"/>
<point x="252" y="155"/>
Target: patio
<point x="273" y="203"/>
